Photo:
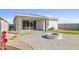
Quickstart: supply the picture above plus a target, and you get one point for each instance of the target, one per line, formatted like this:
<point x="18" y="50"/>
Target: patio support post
<point x="45" y="24"/>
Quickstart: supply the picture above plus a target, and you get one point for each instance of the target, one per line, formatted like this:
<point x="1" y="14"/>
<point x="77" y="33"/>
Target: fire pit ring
<point x="57" y="36"/>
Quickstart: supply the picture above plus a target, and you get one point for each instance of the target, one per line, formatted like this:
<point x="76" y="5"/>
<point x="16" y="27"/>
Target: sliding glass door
<point x="29" y="25"/>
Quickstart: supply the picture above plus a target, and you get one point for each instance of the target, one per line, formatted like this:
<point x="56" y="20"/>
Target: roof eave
<point x="47" y="18"/>
<point x="54" y="19"/>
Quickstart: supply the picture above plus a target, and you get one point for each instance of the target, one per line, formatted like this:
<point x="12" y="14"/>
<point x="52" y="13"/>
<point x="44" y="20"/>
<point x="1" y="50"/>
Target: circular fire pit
<point x="57" y="36"/>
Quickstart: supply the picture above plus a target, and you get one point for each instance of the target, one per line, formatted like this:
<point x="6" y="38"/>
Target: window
<point x="25" y="24"/>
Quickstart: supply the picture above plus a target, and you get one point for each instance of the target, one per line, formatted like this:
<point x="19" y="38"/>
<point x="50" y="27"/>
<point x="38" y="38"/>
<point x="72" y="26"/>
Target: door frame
<point x="31" y="25"/>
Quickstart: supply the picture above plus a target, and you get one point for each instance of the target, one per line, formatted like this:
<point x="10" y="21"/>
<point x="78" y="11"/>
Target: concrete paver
<point x="35" y="39"/>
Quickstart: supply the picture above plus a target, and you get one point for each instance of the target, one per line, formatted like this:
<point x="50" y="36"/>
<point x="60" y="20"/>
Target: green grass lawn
<point x="76" y="32"/>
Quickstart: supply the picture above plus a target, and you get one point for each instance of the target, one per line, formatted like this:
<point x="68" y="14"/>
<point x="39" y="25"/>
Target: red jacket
<point x="3" y="37"/>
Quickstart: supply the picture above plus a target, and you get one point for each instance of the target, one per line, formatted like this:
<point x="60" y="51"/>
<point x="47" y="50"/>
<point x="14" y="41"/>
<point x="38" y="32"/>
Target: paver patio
<point x="35" y="39"/>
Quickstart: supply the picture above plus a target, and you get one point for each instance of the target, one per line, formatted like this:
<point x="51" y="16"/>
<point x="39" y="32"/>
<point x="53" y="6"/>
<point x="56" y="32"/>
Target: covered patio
<point x="24" y="22"/>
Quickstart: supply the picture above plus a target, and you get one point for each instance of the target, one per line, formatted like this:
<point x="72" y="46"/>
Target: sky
<point x="64" y="15"/>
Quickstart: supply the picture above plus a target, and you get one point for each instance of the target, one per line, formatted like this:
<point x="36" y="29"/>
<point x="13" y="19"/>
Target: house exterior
<point x="69" y="26"/>
<point x="24" y="22"/>
<point x="4" y="25"/>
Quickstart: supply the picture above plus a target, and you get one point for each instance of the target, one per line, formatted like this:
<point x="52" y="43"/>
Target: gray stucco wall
<point x="53" y="25"/>
<point x="4" y="26"/>
<point x="18" y="24"/>
<point x="39" y="25"/>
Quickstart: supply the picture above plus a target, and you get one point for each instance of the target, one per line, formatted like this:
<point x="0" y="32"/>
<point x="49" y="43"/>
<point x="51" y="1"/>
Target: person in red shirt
<point x="3" y="40"/>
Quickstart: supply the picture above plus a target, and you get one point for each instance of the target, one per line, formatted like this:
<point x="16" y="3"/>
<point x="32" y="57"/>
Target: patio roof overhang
<point x="35" y="16"/>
